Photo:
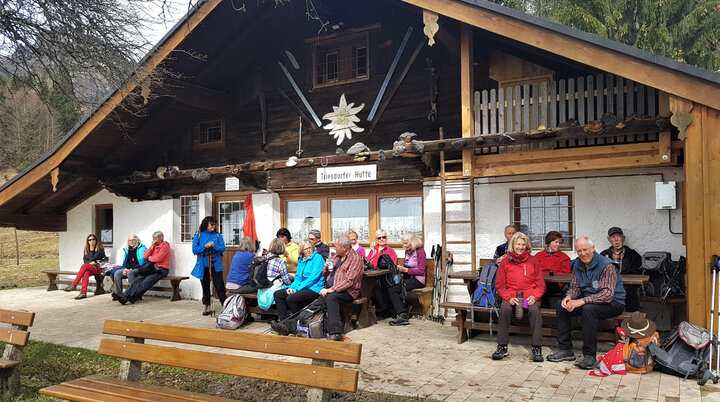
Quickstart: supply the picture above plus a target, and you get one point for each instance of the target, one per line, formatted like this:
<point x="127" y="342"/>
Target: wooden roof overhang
<point x="656" y="71"/>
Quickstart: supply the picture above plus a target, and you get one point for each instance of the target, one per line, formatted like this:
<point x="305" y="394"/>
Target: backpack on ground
<point x="258" y="271"/>
<point x="658" y="265"/>
<point x="311" y="320"/>
<point x="685" y="351"/>
<point x="637" y="358"/>
<point x="233" y="314"/>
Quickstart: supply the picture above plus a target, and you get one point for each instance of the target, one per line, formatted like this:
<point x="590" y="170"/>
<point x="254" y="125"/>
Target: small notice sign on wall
<point x="232" y="183"/>
<point x="341" y="174"/>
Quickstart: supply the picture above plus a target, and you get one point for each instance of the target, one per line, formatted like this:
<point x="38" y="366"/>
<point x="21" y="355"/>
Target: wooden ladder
<point x="463" y="226"/>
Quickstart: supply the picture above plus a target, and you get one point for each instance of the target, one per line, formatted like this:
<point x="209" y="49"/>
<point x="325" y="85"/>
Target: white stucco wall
<point x="626" y="200"/>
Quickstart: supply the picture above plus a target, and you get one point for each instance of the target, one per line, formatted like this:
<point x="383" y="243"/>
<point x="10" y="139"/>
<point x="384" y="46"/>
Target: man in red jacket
<point x="159" y="256"/>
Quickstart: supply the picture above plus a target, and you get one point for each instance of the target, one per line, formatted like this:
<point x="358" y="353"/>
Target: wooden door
<point x="229" y="211"/>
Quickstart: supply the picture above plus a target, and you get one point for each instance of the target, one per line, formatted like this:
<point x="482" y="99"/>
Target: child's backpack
<point x="258" y="271"/>
<point x="685" y="351"/>
<point x="233" y="314"/>
<point x="636" y="355"/>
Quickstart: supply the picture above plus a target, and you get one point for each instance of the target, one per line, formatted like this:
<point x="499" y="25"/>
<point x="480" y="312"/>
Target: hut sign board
<point x="341" y="174"/>
<point x="232" y="183"/>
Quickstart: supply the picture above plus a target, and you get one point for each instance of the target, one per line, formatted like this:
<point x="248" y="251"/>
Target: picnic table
<point x="367" y="316"/>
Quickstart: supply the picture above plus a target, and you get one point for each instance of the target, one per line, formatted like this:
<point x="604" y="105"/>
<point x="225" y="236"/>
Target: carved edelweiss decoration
<point x="343" y="119"/>
<point x="431" y="26"/>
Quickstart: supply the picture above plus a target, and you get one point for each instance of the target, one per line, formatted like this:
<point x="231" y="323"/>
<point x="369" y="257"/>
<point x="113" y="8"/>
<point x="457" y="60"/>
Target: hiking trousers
<point x="218" y="283"/>
<point x="292" y="302"/>
<point x="506" y="314"/>
<point x="395" y="293"/>
<point x="590" y="315"/>
<point x="84" y="275"/>
<point x="143" y="283"/>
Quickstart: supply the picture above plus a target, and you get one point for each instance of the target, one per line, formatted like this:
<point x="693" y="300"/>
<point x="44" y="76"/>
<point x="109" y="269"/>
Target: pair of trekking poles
<point x="715" y="269"/>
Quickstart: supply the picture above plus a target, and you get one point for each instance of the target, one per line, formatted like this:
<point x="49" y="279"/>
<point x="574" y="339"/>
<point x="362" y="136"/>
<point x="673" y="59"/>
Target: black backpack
<point x="658" y="265"/>
<point x="684" y="352"/>
<point x="394" y="277"/>
<point x="258" y="271"/>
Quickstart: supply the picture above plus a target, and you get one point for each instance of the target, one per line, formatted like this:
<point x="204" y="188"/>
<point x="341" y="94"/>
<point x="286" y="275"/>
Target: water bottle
<point x="518" y="307"/>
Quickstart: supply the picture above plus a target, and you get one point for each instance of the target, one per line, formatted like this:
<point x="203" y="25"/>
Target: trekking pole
<point x="212" y="312"/>
<point x="716" y="270"/>
<point x="713" y="271"/>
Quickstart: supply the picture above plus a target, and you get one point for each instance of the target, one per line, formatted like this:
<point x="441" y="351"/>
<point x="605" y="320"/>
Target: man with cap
<point x="322" y="248"/>
<point x="629" y="263"/>
<point x="596" y="293"/>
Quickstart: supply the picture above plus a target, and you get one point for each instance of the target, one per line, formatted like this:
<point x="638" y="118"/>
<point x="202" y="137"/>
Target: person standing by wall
<point x="208" y="245"/>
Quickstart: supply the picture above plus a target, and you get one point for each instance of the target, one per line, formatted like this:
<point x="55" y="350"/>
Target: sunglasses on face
<point x="381" y="237"/>
<point x="92" y="239"/>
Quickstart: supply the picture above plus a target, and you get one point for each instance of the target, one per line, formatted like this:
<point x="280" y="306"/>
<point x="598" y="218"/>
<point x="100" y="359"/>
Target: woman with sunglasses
<point x="381" y="247"/>
<point x="208" y="245"/>
<point x="94" y="255"/>
<point x="307" y="284"/>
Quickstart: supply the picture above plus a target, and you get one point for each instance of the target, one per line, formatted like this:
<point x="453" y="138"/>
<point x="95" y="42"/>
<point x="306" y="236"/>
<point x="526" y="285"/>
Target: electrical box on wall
<point x="665" y="195"/>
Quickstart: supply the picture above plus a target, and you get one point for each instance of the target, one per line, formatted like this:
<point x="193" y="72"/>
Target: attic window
<point x="209" y="134"/>
<point x="341" y="59"/>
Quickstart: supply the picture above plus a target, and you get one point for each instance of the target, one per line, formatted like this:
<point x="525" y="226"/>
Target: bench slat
<point x="22" y="318"/>
<point x="293" y="373"/>
<point x="73" y="393"/>
<point x="14" y="336"/>
<point x="7" y="363"/>
<point x="105" y="388"/>
<point x="346" y="352"/>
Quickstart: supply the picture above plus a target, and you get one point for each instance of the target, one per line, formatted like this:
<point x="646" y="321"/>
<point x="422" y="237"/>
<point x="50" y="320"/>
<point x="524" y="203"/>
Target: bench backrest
<point x="429" y="270"/>
<point x="280" y="371"/>
<point x="17" y="334"/>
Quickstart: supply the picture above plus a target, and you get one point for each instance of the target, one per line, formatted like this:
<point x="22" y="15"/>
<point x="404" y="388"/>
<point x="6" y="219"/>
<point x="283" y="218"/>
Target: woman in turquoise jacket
<point x="307" y="283"/>
<point x="208" y="245"/>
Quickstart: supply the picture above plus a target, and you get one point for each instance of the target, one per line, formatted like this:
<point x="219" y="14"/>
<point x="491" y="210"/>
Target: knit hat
<point x="314" y="232"/>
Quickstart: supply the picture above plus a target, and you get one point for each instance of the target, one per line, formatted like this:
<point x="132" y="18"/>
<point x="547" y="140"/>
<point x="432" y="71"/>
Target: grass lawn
<point x="31" y="245"/>
<point x="46" y="364"/>
<point x="28" y="274"/>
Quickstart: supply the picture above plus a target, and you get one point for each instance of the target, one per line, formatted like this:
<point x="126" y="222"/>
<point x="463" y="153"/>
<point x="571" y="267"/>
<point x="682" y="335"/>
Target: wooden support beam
<point x="467" y="89"/>
<point x="37" y="204"/>
<point x="640" y="126"/>
<point x="702" y="197"/>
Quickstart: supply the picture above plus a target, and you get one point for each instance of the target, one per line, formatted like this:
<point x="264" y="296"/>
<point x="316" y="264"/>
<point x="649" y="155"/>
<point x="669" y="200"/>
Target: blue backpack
<point x="486" y="293"/>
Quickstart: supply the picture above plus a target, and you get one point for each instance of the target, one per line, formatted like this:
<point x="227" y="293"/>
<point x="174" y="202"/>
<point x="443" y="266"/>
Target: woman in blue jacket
<point x="132" y="260"/>
<point x="208" y="245"/>
<point x="307" y="283"/>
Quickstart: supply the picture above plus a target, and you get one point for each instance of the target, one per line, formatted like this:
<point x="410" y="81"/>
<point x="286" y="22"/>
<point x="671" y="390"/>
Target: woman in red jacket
<point x="519" y="272"/>
<point x="553" y="260"/>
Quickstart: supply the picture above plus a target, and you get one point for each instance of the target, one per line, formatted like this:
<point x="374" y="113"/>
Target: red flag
<point x="249" y="225"/>
<point x="612" y="362"/>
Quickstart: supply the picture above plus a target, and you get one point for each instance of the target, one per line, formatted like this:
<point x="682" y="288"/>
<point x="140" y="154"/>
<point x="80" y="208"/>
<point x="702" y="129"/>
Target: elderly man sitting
<point x="343" y="275"/>
<point x="596" y="293"/>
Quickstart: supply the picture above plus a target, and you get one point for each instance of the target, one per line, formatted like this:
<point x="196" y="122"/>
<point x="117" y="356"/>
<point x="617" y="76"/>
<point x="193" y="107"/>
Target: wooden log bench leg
<point x="461" y="318"/>
<point x="425" y="300"/>
<point x="366" y="318"/>
<point x="320" y="394"/>
<point x="175" y="283"/>
<point x="53" y="281"/>
<point x="10" y="376"/>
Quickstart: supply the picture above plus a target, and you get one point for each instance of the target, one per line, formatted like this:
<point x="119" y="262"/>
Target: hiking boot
<point x="114" y="296"/>
<point x="587" y="363"/>
<point x="537" y="354"/>
<point x="82" y="295"/>
<point x="70" y="288"/>
<point x="279" y="327"/>
<point x="500" y="352"/>
<point x="207" y="310"/>
<point x="335" y="337"/>
<point x="561" y="355"/>
<point x="122" y="299"/>
<point x="400" y="319"/>
<point x="248" y="319"/>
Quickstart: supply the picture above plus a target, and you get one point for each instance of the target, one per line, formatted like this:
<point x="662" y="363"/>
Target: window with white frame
<point x="537" y="212"/>
<point x="189" y="216"/>
<point x="232" y="217"/>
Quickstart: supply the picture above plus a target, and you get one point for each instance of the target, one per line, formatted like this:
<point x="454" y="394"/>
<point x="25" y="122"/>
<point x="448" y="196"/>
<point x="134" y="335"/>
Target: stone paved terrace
<point x="421" y="359"/>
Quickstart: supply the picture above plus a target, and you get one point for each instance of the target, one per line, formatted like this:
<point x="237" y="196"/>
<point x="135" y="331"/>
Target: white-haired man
<point x="596" y="293"/>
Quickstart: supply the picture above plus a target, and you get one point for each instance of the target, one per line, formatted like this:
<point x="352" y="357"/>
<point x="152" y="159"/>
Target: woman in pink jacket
<point x="519" y="272"/>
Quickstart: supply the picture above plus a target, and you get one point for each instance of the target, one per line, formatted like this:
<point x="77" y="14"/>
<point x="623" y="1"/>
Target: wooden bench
<point x="318" y="374"/>
<point x="15" y="339"/>
<point x="174" y="286"/>
<point x="55" y="280"/>
<point x="465" y="327"/>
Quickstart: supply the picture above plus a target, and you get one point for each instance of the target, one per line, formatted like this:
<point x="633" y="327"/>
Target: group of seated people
<point x="596" y="291"/>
